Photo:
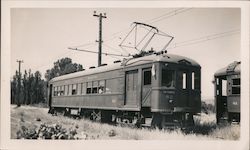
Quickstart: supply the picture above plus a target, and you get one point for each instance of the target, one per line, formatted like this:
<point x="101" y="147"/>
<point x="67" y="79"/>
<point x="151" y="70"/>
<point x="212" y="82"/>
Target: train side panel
<point x="87" y="95"/>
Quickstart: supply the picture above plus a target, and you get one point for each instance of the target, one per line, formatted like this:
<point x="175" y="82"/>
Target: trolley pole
<point x="19" y="83"/>
<point x="101" y="16"/>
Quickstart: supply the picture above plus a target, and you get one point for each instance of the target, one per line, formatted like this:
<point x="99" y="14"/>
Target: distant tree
<point x="39" y="88"/>
<point x="62" y="67"/>
<point x="14" y="90"/>
<point x="32" y="88"/>
<point x="29" y="87"/>
<point x="19" y="89"/>
<point x="25" y="87"/>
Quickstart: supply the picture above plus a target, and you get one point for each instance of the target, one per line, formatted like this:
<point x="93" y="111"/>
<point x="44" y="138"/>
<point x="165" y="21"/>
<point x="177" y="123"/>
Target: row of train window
<point x="94" y="87"/>
<point x="228" y="87"/>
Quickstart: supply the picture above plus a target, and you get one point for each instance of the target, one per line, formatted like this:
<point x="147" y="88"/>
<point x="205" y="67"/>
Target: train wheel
<point x="96" y="115"/>
<point x="157" y="121"/>
<point x="190" y="120"/>
<point x="106" y="117"/>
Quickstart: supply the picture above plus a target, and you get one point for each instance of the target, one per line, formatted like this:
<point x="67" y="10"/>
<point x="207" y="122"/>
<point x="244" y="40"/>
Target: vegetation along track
<point x="28" y="122"/>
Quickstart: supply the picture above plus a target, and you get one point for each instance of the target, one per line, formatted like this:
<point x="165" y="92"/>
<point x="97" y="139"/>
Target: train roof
<point x="132" y="62"/>
<point x="233" y="68"/>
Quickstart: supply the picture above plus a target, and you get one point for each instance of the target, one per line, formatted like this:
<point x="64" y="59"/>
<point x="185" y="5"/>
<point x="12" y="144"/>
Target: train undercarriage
<point x="143" y="118"/>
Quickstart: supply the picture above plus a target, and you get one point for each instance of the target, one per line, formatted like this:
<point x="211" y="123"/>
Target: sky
<point x="40" y="36"/>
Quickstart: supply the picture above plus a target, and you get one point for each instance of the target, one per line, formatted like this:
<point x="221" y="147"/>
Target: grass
<point x="205" y="127"/>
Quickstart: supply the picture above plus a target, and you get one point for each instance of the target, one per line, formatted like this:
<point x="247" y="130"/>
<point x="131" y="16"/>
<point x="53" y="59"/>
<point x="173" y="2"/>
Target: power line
<point x="161" y="16"/>
<point x="97" y="52"/>
<point x="211" y="36"/>
<point x="173" y="13"/>
<point x="86" y="44"/>
<point x="153" y="20"/>
<point x="204" y="38"/>
<point x="111" y="48"/>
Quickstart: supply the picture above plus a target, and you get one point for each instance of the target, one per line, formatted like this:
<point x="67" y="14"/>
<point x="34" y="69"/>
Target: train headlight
<point x="170" y="101"/>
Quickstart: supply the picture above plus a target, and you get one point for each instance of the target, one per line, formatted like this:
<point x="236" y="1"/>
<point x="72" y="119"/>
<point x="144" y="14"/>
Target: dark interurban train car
<point x="158" y="90"/>
<point x="227" y="93"/>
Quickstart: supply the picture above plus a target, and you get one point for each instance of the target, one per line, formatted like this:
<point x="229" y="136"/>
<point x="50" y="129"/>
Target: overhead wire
<point x="205" y="38"/>
<point x="173" y="13"/>
<point x="162" y="16"/>
<point x="84" y="50"/>
<point x="86" y="44"/>
<point x="111" y="48"/>
<point x="192" y="41"/>
<point x="153" y="20"/>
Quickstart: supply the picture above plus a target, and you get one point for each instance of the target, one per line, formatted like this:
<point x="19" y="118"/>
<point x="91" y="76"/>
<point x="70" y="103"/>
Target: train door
<point x="221" y="98"/>
<point x="131" y="88"/>
<point x="195" y="89"/>
<point x="146" y="87"/>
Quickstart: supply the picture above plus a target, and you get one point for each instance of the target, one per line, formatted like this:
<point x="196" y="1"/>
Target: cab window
<point x="168" y="78"/>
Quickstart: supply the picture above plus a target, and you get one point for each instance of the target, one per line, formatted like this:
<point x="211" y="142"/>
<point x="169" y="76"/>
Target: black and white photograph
<point x="125" y="74"/>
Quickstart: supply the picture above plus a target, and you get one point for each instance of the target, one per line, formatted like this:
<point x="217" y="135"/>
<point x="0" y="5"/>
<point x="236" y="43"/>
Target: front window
<point x="182" y="80"/>
<point x="168" y="78"/>
<point x="196" y="80"/>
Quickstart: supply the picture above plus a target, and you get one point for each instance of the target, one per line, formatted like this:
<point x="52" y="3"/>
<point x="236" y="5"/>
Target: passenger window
<point x="112" y="85"/>
<point x="95" y="85"/>
<point x="83" y="88"/>
<point x="79" y="89"/>
<point x="58" y="91"/>
<point x="74" y="89"/>
<point x="168" y="78"/>
<point x="101" y="87"/>
<point x="62" y="90"/>
<point x="147" y="77"/>
<point x="94" y="90"/>
<point x="235" y="90"/>
<point x="70" y="89"/>
<point x="236" y="81"/>
<point x="89" y="86"/>
<point x="236" y="86"/>
<point x="66" y="90"/>
<point x="55" y="91"/>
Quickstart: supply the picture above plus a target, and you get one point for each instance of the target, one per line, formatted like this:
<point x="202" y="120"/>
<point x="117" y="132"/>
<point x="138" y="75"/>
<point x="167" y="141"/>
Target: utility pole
<point x="19" y="83"/>
<point x="100" y="36"/>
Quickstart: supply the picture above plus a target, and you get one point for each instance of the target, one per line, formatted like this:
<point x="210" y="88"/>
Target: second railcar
<point x="227" y="93"/>
<point x="160" y="90"/>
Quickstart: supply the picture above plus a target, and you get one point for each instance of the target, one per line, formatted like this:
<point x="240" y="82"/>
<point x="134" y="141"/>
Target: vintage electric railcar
<point x="157" y="90"/>
<point x="227" y="93"/>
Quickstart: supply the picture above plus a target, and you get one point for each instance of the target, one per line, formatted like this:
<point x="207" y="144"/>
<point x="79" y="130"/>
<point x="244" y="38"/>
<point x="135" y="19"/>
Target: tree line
<point x="29" y="88"/>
